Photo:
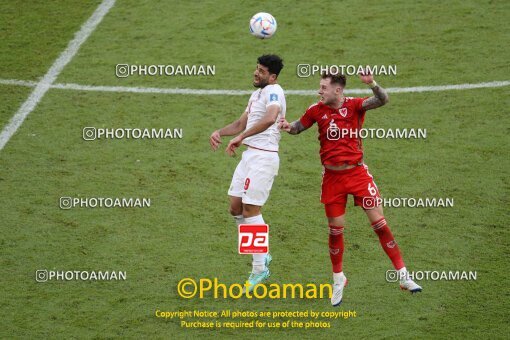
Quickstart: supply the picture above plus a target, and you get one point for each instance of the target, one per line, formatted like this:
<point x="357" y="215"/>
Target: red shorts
<point x="337" y="184"/>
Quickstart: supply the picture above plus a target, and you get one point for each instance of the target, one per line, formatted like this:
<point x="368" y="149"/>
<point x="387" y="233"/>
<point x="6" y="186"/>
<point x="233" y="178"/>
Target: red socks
<point x="387" y="242"/>
<point x="336" y="247"/>
<point x="390" y="247"/>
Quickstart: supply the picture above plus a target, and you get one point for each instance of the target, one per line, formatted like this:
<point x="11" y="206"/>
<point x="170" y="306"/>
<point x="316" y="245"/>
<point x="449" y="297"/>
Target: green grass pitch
<point x="187" y="231"/>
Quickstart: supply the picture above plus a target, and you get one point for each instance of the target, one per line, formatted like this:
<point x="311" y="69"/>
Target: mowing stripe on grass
<point x="121" y="89"/>
<point x="45" y="83"/>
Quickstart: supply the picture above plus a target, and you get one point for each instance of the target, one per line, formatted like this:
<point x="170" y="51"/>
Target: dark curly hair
<point x="273" y="63"/>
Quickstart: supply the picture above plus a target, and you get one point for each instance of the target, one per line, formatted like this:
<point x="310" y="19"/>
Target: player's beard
<point x="326" y="101"/>
<point x="261" y="83"/>
<point x="330" y="101"/>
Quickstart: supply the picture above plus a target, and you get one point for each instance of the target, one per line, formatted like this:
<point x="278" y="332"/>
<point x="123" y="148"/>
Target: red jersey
<point x="338" y="130"/>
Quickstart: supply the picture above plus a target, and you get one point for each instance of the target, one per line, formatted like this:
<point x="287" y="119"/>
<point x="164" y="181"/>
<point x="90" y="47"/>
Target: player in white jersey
<point x="257" y="128"/>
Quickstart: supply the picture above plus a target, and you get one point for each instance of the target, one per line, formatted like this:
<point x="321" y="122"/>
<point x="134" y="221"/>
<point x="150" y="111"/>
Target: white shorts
<point x="254" y="176"/>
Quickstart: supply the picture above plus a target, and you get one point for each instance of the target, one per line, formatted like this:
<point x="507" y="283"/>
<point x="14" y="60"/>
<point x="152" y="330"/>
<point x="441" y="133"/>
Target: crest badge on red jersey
<point x="343" y="112"/>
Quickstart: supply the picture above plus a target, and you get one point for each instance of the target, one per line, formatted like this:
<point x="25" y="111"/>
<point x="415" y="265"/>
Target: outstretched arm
<point x="380" y="96"/>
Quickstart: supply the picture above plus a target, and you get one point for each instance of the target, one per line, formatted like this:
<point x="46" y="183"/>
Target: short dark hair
<point x="273" y="63"/>
<point x="335" y="78"/>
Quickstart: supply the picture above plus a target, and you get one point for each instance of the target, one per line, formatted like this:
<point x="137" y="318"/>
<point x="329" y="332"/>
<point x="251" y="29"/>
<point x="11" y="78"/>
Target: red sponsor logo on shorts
<point x="246" y="184"/>
<point x="253" y="239"/>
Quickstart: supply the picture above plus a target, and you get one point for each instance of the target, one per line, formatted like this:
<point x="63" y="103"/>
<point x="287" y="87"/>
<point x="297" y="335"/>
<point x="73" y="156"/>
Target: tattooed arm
<point x="293" y="128"/>
<point x="380" y="96"/>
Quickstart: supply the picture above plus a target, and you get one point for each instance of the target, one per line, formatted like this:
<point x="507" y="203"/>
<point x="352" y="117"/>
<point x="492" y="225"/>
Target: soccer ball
<point x="263" y="25"/>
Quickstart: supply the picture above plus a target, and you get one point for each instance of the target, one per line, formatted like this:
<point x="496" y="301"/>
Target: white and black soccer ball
<point x="263" y="25"/>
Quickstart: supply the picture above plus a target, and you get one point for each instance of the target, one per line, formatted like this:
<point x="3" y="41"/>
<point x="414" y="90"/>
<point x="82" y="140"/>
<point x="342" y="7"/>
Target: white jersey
<point x="260" y="100"/>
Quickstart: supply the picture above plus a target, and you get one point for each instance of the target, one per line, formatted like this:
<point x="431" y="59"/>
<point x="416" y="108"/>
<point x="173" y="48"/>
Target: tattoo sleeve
<point x="379" y="98"/>
<point x="296" y="127"/>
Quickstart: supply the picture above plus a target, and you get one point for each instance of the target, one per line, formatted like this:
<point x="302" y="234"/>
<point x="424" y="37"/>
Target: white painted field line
<point x="151" y="90"/>
<point x="26" y="83"/>
<point x="438" y="88"/>
<point x="122" y="89"/>
<point x="78" y="87"/>
<point x="45" y="83"/>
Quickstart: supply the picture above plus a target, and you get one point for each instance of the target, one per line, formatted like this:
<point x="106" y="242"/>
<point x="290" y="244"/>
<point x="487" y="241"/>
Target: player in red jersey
<point x="339" y="120"/>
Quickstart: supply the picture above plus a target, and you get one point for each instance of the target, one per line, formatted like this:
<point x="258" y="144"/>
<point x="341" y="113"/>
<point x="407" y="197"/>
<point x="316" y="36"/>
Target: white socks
<point x="338" y="278"/>
<point x="239" y="219"/>
<point x="403" y="275"/>
<point x="259" y="260"/>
